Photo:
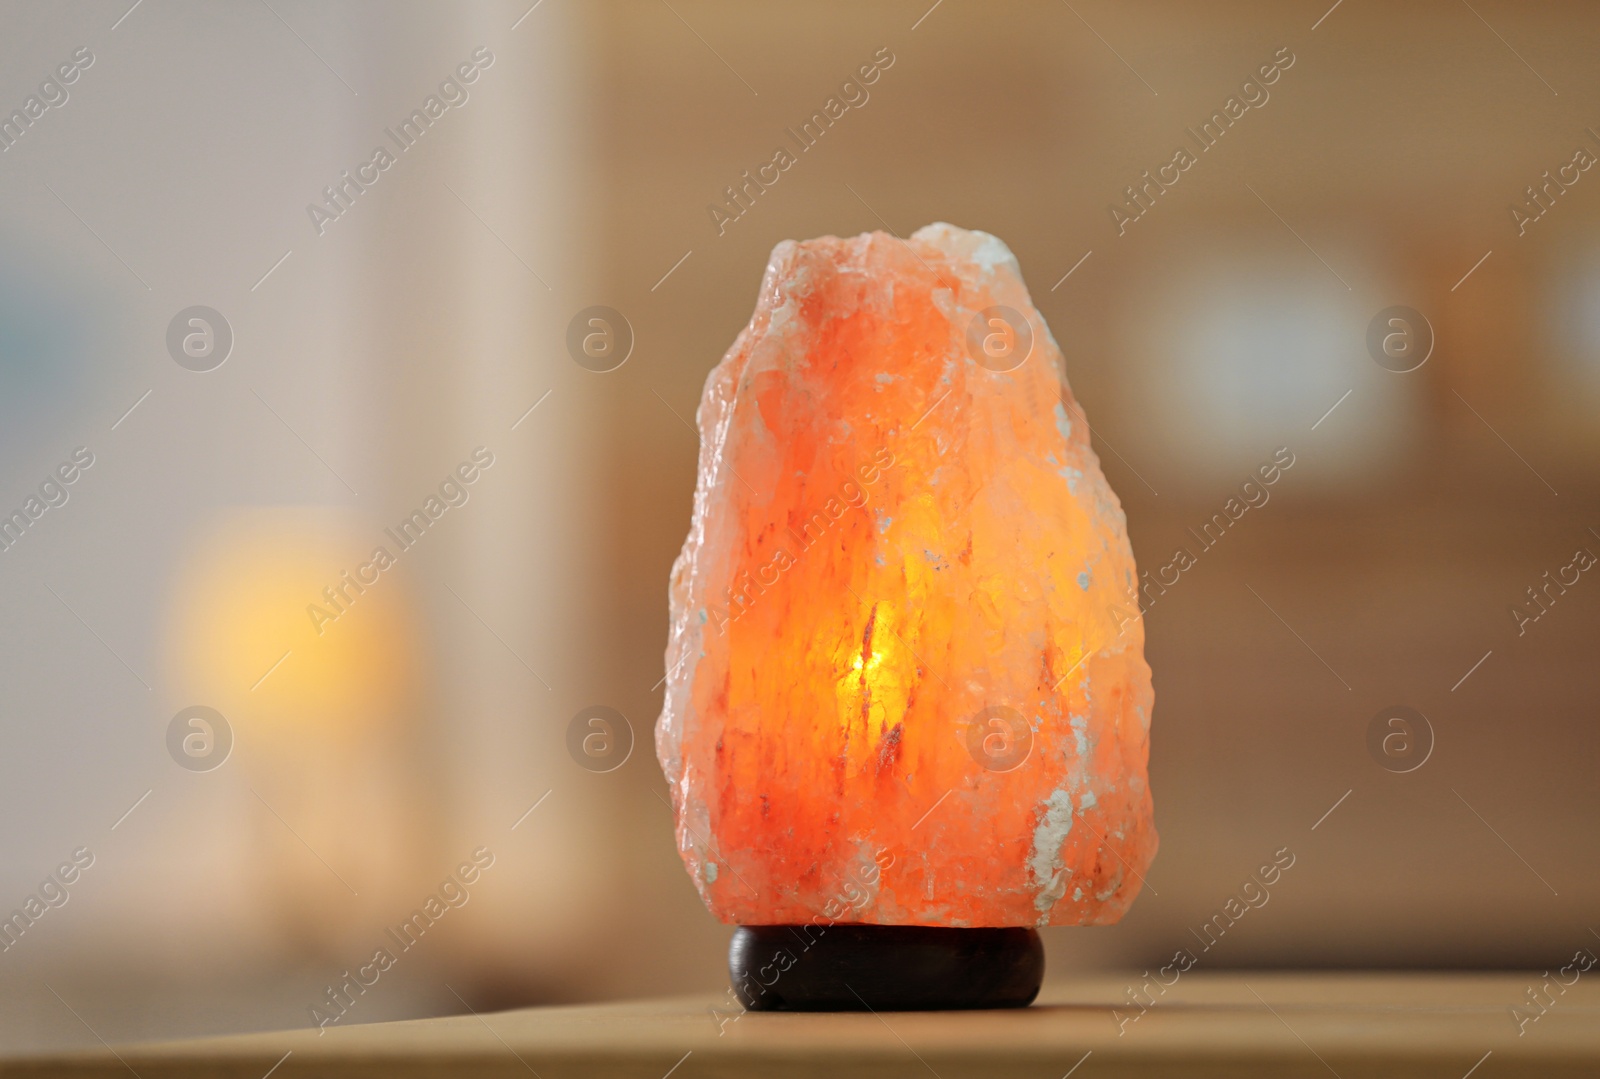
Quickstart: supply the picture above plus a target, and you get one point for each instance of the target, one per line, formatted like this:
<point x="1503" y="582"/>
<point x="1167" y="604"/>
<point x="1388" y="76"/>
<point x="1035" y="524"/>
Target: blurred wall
<point x="365" y="743"/>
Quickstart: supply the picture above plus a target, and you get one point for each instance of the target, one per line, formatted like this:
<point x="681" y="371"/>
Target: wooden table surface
<point x="1234" y="1025"/>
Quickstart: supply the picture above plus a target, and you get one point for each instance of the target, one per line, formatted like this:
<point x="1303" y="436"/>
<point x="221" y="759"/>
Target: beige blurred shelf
<point x="1234" y="1025"/>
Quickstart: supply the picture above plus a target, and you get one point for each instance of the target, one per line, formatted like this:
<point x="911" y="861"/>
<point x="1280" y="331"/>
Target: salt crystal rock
<point x="906" y="677"/>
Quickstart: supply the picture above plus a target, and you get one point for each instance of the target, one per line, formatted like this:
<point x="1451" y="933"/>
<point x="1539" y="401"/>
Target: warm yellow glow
<point x="254" y="631"/>
<point x="872" y="692"/>
<point x="871" y="664"/>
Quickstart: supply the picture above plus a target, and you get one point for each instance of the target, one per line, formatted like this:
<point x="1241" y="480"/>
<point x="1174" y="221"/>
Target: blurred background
<point x="359" y="352"/>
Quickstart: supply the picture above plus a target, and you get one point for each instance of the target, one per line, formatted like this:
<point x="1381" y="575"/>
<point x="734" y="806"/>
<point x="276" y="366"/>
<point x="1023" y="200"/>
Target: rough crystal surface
<point x="906" y="677"/>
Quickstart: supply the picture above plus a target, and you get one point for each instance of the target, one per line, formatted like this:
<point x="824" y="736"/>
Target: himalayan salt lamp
<point x="907" y="709"/>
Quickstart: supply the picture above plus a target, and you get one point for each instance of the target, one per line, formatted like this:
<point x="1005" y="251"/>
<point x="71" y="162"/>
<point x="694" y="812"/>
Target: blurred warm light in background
<point x="1572" y="320"/>
<point x="1232" y="336"/>
<point x="254" y="628"/>
<point x="325" y="712"/>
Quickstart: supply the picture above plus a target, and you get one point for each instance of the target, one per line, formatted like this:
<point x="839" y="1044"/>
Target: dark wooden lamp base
<point x="884" y="968"/>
